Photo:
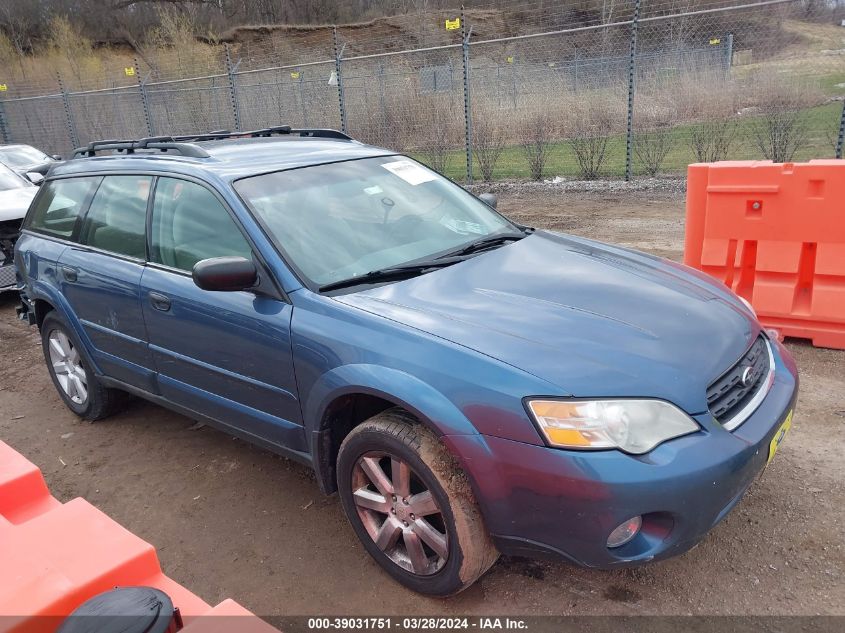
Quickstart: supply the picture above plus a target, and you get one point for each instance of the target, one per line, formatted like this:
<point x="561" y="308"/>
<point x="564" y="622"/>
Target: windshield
<point x="22" y="156"/>
<point x="10" y="180"/>
<point x="345" y="219"/>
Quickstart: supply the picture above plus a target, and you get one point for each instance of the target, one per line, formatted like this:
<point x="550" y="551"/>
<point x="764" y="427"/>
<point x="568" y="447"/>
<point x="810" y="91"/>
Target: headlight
<point x="748" y="305"/>
<point x="634" y="426"/>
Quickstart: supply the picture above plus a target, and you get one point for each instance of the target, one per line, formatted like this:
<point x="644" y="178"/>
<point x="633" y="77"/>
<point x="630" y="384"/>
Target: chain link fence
<point x="532" y="91"/>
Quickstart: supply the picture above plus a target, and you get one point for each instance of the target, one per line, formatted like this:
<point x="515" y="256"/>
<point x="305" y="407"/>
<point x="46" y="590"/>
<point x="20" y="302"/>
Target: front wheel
<point x="411" y="505"/>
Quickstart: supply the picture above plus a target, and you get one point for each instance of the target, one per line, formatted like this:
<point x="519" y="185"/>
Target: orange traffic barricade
<point x="775" y="234"/>
<point x="54" y="557"/>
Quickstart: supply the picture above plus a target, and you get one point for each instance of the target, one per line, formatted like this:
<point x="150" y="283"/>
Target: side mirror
<point x="34" y="177"/>
<point x="225" y="274"/>
<point x="490" y="199"/>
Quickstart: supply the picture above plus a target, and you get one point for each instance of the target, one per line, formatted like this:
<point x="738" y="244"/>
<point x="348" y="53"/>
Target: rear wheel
<point x="411" y="505"/>
<point x="77" y="385"/>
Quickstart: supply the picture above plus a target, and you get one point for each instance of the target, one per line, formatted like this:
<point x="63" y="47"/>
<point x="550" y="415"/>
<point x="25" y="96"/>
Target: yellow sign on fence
<point x="714" y="41"/>
<point x="453" y="25"/>
<point x="3" y="87"/>
<point x="294" y="74"/>
<point x="510" y="59"/>
<point x="129" y="71"/>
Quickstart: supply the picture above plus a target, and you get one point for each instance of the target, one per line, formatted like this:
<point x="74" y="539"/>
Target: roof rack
<point x="183" y="144"/>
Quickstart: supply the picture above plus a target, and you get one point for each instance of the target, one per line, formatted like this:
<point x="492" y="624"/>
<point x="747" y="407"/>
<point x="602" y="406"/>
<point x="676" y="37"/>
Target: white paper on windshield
<point x="410" y="172"/>
<point x="371" y="191"/>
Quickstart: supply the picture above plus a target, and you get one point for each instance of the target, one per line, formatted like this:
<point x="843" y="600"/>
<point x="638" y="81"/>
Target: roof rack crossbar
<point x="163" y="143"/>
<point x="184" y="144"/>
<point x="279" y="130"/>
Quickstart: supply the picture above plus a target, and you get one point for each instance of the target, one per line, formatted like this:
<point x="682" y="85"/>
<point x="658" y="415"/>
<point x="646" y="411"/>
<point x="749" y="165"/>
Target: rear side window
<point x="59" y="204"/>
<point x="190" y="224"/>
<point x="116" y="219"/>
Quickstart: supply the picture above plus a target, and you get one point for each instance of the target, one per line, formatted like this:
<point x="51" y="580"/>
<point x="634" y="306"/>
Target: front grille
<point x="729" y="394"/>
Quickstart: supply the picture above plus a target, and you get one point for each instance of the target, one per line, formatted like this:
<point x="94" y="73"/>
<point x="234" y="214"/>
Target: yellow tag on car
<point x="778" y="438"/>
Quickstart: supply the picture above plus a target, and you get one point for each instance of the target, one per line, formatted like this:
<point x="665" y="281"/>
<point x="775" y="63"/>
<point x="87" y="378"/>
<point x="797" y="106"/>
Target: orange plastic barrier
<point x="775" y="234"/>
<point x="54" y="557"/>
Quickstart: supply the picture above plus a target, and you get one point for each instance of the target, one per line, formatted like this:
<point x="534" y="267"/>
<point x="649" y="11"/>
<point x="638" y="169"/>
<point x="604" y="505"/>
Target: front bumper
<point x="540" y="501"/>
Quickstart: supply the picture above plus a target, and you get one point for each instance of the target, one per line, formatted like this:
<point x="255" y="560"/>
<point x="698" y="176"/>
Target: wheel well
<point x="42" y="308"/>
<point x="341" y="416"/>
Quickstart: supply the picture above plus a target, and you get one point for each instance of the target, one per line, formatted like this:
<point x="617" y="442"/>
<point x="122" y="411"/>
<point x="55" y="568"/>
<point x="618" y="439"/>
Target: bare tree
<point x="712" y="141"/>
<point x="487" y="143"/>
<point x="781" y="130"/>
<point x="589" y="137"/>
<point x="651" y="149"/>
<point x="537" y="131"/>
<point x="780" y="133"/>
<point x="436" y="126"/>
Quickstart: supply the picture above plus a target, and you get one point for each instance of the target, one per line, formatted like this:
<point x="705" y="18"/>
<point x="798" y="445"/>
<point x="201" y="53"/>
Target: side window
<point x="59" y="205"/>
<point x="189" y="224"/>
<point x="117" y="218"/>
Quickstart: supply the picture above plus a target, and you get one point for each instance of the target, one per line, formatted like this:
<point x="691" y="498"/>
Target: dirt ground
<point x="231" y="520"/>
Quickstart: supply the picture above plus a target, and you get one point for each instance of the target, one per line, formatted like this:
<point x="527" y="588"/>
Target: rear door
<point x="225" y="355"/>
<point x="100" y="276"/>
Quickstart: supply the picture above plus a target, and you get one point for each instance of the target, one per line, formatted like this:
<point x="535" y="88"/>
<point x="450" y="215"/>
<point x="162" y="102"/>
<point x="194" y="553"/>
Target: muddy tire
<point x="412" y="506"/>
<point x="71" y="373"/>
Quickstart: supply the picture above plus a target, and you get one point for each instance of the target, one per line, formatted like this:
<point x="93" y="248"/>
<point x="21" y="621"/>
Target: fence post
<point x="71" y="128"/>
<point x="729" y="55"/>
<point x="302" y="101"/>
<point x="145" y="100"/>
<point x="632" y="72"/>
<point x="465" y="35"/>
<point x="233" y="88"/>
<point x="5" y="136"/>
<point x="382" y="98"/>
<point x="338" y="71"/>
<point x="840" y="140"/>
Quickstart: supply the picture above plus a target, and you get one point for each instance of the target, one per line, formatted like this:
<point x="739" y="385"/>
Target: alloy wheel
<point x="400" y="513"/>
<point x="67" y="366"/>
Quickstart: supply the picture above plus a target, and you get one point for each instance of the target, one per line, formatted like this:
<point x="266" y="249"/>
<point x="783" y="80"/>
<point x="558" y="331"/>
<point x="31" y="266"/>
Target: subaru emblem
<point x="747" y="376"/>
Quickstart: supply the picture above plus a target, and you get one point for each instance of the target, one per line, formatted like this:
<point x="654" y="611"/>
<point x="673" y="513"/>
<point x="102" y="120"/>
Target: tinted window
<point x="189" y="224"/>
<point x="116" y="219"/>
<point x="59" y="203"/>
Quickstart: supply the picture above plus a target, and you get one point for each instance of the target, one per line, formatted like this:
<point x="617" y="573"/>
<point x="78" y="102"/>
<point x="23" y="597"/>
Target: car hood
<point x="595" y="320"/>
<point x="15" y="202"/>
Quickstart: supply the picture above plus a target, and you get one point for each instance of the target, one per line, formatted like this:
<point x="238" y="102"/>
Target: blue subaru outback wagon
<point x="468" y="386"/>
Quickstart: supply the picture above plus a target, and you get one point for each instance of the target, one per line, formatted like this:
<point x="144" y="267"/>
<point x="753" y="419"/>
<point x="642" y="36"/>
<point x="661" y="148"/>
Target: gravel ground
<point x="231" y="520"/>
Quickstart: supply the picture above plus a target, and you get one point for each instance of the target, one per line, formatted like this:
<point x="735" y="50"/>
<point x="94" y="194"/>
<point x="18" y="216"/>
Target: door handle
<point x="69" y="274"/>
<point x="159" y="301"/>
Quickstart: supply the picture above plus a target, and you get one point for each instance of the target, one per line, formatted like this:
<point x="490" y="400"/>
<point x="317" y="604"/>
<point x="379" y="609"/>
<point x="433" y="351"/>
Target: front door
<point x="225" y="355"/>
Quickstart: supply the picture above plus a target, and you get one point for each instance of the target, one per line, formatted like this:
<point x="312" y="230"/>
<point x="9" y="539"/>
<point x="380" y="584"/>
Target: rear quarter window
<point x="59" y="204"/>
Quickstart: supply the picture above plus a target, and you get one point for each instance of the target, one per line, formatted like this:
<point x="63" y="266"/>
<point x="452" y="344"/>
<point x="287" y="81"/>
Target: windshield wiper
<point x="485" y="243"/>
<point x="412" y="269"/>
<point x="393" y="272"/>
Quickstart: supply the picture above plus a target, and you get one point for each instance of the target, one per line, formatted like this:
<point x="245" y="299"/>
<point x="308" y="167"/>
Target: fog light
<point x="625" y="532"/>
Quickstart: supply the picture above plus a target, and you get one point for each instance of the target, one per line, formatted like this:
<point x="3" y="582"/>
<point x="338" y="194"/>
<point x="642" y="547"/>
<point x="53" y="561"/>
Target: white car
<point x="15" y="195"/>
<point x="25" y="159"/>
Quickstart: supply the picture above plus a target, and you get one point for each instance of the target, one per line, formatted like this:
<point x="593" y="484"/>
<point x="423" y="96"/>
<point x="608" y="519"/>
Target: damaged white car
<point x="15" y="195"/>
